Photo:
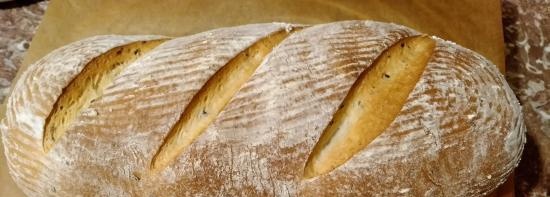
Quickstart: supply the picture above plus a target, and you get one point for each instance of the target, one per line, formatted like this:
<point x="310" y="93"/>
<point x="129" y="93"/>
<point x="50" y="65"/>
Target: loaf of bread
<point x="353" y="108"/>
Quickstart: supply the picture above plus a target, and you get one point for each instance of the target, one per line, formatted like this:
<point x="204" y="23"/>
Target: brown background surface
<point x="471" y="23"/>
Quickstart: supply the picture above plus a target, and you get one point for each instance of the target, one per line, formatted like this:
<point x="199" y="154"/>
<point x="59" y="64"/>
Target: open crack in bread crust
<point x="210" y="100"/>
<point x="371" y="105"/>
<point x="88" y="85"/>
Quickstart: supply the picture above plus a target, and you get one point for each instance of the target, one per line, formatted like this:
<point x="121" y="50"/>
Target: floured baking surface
<point x="459" y="134"/>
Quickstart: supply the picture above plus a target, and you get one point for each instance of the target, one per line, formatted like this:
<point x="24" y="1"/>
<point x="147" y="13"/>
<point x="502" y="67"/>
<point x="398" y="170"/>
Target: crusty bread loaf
<point x="356" y="108"/>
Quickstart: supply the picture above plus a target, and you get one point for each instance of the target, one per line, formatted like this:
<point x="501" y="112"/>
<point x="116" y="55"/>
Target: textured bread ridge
<point x="39" y="88"/>
<point x="210" y="100"/>
<point x="459" y="133"/>
<point x="458" y="120"/>
<point x="371" y="105"/>
<point x="88" y="85"/>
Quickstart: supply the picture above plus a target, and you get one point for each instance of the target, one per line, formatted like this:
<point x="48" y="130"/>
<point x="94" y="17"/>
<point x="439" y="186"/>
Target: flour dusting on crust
<point x="459" y="134"/>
